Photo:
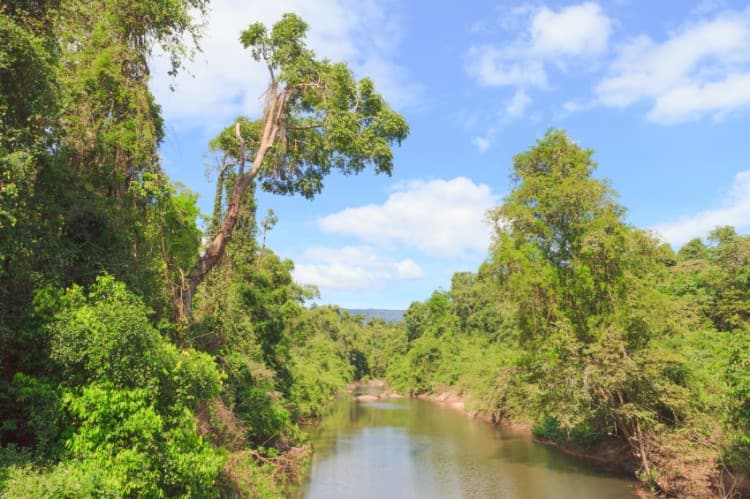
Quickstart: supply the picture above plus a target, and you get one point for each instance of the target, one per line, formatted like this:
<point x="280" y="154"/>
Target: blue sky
<point x="660" y="91"/>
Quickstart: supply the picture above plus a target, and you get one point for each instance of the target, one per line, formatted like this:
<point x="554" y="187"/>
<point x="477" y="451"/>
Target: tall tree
<point x="317" y="118"/>
<point x="560" y="238"/>
<point x="589" y="312"/>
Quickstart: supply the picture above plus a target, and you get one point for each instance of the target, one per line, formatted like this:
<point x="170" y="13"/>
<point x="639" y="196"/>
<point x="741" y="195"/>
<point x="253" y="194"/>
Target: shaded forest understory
<point x="137" y="359"/>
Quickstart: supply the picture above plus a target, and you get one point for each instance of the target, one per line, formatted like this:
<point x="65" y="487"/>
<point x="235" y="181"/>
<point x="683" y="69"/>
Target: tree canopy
<point x="317" y="118"/>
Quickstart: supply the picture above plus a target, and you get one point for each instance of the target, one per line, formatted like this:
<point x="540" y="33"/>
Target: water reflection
<point x="413" y="449"/>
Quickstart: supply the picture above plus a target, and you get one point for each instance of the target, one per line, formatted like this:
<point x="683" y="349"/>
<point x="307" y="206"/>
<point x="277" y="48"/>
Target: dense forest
<point x="146" y="350"/>
<point x="605" y="339"/>
<point x="140" y="354"/>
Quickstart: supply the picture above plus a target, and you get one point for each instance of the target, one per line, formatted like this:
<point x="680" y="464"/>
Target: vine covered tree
<point x="317" y="118"/>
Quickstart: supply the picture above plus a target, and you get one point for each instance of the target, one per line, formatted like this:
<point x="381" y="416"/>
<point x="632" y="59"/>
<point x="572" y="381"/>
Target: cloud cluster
<point x="700" y="70"/>
<point x="223" y="81"/>
<point x="735" y="211"/>
<point x="440" y="218"/>
<point x="544" y="38"/>
<point x="443" y="218"/>
<point x="549" y="38"/>
<point x="573" y="31"/>
<point x="352" y="268"/>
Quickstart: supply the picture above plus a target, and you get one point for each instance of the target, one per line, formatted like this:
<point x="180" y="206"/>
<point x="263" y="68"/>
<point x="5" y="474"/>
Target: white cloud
<point x="334" y="276"/>
<point x="707" y="6"/>
<point x="574" y="31"/>
<point x="573" y="106"/>
<point x="408" y="269"/>
<point x="481" y="143"/>
<point x="699" y="71"/>
<point x="352" y="268"/>
<point x="498" y="67"/>
<point x="353" y="255"/>
<point x="516" y="107"/>
<point x="224" y="82"/>
<point x="693" y="101"/>
<point x="735" y="211"/>
<point x="443" y="218"/>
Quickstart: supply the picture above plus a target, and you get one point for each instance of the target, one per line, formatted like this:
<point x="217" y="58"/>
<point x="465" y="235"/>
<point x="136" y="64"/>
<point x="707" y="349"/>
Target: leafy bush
<point x="549" y="429"/>
<point x="738" y="376"/>
<point x="584" y="435"/>
<point x="37" y="417"/>
<point x="127" y="403"/>
<point x="122" y="446"/>
<point x="105" y="336"/>
<point x="318" y="371"/>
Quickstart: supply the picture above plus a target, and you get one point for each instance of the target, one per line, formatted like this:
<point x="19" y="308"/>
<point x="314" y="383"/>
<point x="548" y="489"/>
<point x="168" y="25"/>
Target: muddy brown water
<point x="407" y="448"/>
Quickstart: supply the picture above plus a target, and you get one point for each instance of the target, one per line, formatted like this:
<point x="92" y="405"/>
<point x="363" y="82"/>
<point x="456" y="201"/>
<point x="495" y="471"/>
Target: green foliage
<point x="560" y="240"/>
<point x="330" y="350"/>
<point x="581" y="435"/>
<point x="330" y="120"/>
<point x="105" y="335"/>
<point x="383" y="344"/>
<point x="318" y="371"/>
<point x="243" y="310"/>
<point x="247" y="476"/>
<point x="416" y="372"/>
<point x="37" y="417"/>
<point x="174" y="224"/>
<point x="69" y="479"/>
<point x="12" y="459"/>
<point x="549" y="429"/>
<point x="122" y="446"/>
<point x="100" y="389"/>
<point x="27" y="82"/>
<point x="28" y="229"/>
<point x="125" y="413"/>
<point x="738" y="376"/>
<point x="693" y="250"/>
<point x="187" y="378"/>
<point x="593" y="328"/>
<point x="145" y="453"/>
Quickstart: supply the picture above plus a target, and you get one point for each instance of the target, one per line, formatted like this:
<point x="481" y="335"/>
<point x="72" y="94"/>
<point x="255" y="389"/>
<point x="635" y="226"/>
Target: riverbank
<point x="613" y="456"/>
<point x="374" y="390"/>
<point x="405" y="447"/>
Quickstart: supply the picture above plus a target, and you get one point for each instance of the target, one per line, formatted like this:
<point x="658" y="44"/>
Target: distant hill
<point x="386" y="315"/>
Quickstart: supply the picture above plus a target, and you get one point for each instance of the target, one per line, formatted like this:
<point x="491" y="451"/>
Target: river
<point x="407" y="448"/>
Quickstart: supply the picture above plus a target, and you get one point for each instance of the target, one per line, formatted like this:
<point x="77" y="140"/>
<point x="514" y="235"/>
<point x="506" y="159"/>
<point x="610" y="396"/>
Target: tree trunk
<point x="642" y="451"/>
<point x="215" y="250"/>
<point x="272" y="117"/>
